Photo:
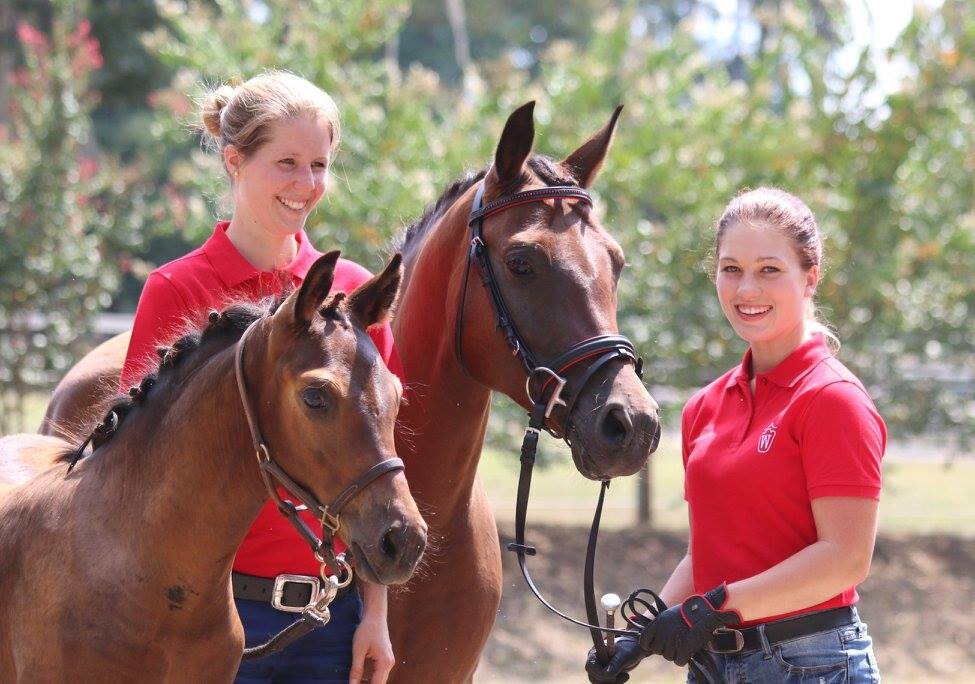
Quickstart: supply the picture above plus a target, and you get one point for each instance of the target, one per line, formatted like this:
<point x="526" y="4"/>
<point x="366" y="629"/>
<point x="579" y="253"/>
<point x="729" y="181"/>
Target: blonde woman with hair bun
<point x="277" y="135"/>
<point x="781" y="475"/>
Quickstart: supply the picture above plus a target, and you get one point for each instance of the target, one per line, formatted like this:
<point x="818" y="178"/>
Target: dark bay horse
<point x="119" y="571"/>
<point x="558" y="268"/>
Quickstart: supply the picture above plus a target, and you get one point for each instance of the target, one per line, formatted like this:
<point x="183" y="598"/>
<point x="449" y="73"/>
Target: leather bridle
<point x="598" y="350"/>
<point x="545" y="384"/>
<point x="316" y="614"/>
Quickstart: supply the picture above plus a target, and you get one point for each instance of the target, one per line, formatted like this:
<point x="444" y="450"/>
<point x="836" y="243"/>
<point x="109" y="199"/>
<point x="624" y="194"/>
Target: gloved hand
<point x="626" y="655"/>
<point x="681" y="631"/>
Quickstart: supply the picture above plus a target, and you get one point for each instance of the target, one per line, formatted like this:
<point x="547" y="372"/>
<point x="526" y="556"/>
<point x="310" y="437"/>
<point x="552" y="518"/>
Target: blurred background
<point x="864" y="108"/>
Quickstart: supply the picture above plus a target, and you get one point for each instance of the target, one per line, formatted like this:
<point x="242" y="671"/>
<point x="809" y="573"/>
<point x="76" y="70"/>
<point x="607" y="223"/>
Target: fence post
<point x="644" y="494"/>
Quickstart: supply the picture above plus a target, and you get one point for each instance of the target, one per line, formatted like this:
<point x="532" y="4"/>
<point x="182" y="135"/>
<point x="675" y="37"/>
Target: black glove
<point x="681" y="631"/>
<point x="627" y="654"/>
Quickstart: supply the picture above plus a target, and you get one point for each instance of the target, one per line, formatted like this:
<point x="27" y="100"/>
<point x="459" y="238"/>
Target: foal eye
<point x="315" y="398"/>
<point x="519" y="266"/>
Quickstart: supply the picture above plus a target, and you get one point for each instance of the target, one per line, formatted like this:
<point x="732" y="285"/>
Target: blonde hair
<point x="787" y="213"/>
<point x="241" y="115"/>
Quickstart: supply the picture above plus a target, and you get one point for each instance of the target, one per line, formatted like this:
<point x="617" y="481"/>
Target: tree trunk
<point x="462" y="43"/>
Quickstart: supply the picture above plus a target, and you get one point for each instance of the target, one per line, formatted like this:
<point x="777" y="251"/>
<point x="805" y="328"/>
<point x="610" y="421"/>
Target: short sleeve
<point x="842" y="441"/>
<point x="159" y="315"/>
<point x="687" y="418"/>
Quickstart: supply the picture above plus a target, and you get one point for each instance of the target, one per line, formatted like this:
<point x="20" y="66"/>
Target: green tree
<point x="66" y="211"/>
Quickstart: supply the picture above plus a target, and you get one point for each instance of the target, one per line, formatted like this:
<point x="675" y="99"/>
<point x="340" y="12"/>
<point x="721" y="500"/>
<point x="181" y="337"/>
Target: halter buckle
<point x="329" y="522"/>
<point x="556" y="392"/>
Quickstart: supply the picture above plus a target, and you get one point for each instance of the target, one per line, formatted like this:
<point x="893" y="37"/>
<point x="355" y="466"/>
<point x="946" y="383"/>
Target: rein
<point x="317" y="613"/>
<point x="550" y="379"/>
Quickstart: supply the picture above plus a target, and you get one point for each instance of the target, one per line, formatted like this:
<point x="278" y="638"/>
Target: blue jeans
<point x="323" y="656"/>
<point x="837" y="656"/>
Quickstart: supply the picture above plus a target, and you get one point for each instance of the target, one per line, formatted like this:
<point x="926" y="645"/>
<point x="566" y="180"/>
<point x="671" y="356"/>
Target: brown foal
<point x="119" y="570"/>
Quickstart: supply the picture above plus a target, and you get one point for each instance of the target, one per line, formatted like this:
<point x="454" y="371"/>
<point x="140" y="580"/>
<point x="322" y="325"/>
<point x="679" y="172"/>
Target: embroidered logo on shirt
<point x="765" y="441"/>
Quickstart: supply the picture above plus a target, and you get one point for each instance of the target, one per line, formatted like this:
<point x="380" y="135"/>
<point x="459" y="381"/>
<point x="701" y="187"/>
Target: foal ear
<point x="372" y="302"/>
<point x="585" y="162"/>
<point x="315" y="287"/>
<point x="515" y="144"/>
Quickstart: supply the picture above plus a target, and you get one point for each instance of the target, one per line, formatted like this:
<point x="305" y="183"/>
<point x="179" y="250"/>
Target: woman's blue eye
<point x="730" y="269"/>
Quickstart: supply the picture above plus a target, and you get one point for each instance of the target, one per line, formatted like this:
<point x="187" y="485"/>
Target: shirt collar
<point x="233" y="268"/>
<point x="792" y="368"/>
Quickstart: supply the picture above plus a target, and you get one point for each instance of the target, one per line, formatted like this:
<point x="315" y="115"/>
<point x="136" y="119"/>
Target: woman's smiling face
<point x="277" y="187"/>
<point x="762" y="287"/>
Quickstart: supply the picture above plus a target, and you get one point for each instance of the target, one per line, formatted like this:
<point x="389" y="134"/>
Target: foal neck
<point x="182" y="473"/>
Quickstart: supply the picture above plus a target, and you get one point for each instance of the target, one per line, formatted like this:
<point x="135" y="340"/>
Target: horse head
<point x="328" y="405"/>
<point x="556" y="269"/>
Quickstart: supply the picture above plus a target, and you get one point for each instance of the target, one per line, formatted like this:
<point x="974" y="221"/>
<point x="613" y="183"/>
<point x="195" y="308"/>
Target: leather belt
<point x="748" y="639"/>
<point x="288" y="593"/>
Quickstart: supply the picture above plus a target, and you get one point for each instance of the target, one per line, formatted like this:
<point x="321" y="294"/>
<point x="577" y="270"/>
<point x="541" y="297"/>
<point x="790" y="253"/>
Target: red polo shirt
<point x="182" y="293"/>
<point x="753" y="464"/>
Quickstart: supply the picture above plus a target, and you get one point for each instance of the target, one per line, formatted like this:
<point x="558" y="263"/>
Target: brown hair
<point x="241" y="115"/>
<point x="783" y="211"/>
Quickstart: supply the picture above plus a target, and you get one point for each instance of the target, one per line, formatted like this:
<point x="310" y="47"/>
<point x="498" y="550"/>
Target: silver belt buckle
<point x="739" y="641"/>
<point x="278" y="594"/>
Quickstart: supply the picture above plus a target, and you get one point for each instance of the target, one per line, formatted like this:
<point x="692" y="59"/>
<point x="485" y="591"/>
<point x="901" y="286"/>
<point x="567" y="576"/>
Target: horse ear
<point x="585" y="162"/>
<point x="315" y="288"/>
<point x="515" y="144"/>
<point x="372" y="302"/>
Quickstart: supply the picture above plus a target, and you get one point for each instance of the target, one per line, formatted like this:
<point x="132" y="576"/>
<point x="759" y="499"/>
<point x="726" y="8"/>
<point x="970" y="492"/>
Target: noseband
<point x="323" y="548"/>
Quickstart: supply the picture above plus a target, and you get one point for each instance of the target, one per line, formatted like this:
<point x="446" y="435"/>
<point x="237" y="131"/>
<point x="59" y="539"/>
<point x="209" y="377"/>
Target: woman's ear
<point x="232" y="159"/>
<point x="812" y="280"/>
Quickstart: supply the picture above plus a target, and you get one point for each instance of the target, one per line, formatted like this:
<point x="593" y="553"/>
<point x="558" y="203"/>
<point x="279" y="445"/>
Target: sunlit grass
<point x="919" y="495"/>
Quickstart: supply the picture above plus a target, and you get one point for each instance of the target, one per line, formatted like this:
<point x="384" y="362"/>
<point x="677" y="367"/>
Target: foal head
<point x="327" y="404"/>
<point x="557" y="270"/>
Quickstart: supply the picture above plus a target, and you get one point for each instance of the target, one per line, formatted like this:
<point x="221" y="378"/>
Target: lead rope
<point x="703" y="665"/>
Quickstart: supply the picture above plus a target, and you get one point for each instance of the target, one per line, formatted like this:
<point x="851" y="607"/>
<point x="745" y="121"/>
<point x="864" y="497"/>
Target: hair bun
<point x="213" y="105"/>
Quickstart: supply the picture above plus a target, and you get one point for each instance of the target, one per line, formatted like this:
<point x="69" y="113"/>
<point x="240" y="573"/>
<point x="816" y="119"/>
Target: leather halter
<point x="323" y="548"/>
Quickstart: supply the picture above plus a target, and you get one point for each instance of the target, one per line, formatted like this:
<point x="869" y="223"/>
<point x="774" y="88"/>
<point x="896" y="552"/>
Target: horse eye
<point x="315" y="398"/>
<point x="519" y="266"/>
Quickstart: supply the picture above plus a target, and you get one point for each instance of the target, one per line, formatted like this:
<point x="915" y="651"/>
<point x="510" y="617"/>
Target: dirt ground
<point x="918" y="603"/>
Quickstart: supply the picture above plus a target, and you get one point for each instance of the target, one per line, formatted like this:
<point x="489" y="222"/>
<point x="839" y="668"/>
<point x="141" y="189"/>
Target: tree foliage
<point x="66" y="210"/>
<point x="790" y="99"/>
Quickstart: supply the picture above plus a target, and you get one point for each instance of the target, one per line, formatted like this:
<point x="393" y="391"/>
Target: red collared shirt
<point x="180" y="294"/>
<point x="754" y="463"/>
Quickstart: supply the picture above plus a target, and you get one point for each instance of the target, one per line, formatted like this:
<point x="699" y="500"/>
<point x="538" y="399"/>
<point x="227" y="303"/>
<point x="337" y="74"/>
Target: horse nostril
<point x="615" y="426"/>
<point x="388" y="543"/>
